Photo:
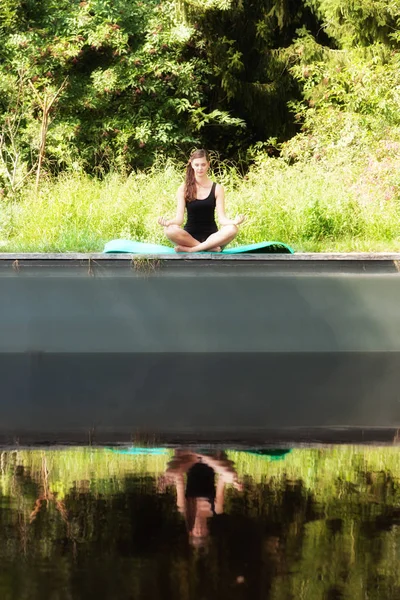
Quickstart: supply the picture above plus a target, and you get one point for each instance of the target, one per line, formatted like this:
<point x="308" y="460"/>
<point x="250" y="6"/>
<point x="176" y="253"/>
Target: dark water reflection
<point x="82" y="523"/>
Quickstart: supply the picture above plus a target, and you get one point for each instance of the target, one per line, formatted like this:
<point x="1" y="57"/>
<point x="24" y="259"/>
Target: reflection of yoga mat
<point x="140" y="451"/>
<point x="131" y="247"/>
<point x="271" y="454"/>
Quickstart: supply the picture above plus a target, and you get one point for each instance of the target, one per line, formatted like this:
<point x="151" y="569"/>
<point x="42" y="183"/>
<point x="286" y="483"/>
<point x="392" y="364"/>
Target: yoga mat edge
<point x="144" y="248"/>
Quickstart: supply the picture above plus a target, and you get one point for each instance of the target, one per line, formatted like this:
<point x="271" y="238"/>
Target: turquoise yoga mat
<point x="131" y="247"/>
<point x="134" y="450"/>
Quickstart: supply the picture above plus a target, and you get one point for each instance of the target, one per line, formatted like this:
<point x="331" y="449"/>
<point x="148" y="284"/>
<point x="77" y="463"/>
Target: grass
<point x="311" y="205"/>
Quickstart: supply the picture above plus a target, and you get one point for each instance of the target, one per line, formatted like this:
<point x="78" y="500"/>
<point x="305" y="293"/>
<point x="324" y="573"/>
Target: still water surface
<point x="200" y="524"/>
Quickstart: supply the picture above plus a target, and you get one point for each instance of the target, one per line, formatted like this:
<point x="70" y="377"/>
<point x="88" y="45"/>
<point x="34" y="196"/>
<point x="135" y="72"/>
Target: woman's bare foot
<point x="216" y="249"/>
<point x="183" y="249"/>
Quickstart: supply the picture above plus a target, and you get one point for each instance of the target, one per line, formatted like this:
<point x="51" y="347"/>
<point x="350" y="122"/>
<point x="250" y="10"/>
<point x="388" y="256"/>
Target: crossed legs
<point x="184" y="242"/>
<point x="180" y="237"/>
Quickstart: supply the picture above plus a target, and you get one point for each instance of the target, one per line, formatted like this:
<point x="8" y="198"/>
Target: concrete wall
<point x="186" y="346"/>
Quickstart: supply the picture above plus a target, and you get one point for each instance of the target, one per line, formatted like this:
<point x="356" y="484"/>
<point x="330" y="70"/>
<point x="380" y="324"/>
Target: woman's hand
<point x="238" y="220"/>
<point x="163" y="221"/>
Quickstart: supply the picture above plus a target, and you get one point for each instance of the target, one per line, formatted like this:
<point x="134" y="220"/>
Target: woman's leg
<point x="221" y="238"/>
<point x="183" y="239"/>
<point x="179" y="236"/>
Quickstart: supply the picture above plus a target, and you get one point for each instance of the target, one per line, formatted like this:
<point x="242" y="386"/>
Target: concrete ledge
<point x="156" y="265"/>
<point x="300" y="256"/>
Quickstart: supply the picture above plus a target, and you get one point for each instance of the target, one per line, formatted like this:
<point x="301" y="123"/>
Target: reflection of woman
<point x="200" y="497"/>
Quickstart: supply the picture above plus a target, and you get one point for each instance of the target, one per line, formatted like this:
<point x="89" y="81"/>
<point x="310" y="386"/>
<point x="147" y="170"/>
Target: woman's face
<point x="200" y="166"/>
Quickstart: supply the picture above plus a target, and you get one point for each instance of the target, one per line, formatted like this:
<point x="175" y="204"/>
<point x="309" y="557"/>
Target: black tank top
<point x="200" y="215"/>
<point x="200" y="482"/>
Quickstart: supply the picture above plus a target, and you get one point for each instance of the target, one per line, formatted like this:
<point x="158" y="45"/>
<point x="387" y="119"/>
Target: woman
<point x="200" y="196"/>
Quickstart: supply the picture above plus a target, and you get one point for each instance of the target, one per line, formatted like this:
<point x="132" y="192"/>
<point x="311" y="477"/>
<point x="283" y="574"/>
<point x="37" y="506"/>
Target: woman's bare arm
<point x="220" y="206"/>
<point x="180" y="210"/>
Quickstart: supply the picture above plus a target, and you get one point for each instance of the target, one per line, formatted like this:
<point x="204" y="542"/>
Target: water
<point x="119" y="523"/>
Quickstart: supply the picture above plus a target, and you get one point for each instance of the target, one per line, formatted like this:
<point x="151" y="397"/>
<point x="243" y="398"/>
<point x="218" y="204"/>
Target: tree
<point x="245" y="44"/>
<point x="132" y="91"/>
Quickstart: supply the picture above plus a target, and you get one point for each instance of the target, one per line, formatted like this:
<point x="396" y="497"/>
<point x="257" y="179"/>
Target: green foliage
<point x="314" y="84"/>
<point x="146" y="78"/>
<point x="357" y="22"/>
<point x="132" y="90"/>
<point x="349" y="126"/>
<point x="244" y="47"/>
<point x="361" y="81"/>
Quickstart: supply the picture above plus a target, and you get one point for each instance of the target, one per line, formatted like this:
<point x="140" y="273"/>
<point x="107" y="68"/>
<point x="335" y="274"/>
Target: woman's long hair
<point x="190" y="179"/>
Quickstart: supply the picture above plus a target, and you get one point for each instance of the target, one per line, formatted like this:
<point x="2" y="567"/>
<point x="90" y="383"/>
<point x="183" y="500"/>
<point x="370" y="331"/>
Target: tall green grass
<point x="312" y="205"/>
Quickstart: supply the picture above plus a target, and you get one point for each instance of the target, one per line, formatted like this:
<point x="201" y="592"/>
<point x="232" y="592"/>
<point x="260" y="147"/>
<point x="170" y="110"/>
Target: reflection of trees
<point x="118" y="537"/>
<point x="47" y="496"/>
